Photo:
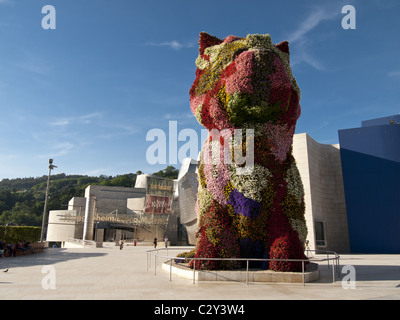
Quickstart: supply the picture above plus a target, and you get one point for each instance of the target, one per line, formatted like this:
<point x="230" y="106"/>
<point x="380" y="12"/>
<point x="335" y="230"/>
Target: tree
<point x="169" y="172"/>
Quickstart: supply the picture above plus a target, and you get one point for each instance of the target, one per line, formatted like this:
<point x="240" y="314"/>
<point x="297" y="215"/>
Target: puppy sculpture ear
<point x="205" y="41"/>
<point x="283" y="46"/>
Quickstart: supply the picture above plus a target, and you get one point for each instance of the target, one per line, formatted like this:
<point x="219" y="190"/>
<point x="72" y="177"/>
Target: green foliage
<point x="22" y="199"/>
<point x="187" y="255"/>
<point x="247" y="108"/>
<point x="126" y="180"/>
<point x="15" y="234"/>
<point x="169" y="172"/>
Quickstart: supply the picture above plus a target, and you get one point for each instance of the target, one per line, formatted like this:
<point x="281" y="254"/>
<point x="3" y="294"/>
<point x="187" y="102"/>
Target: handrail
<point x="335" y="259"/>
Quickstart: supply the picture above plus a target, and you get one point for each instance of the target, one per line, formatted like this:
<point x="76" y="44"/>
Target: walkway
<point x="108" y="273"/>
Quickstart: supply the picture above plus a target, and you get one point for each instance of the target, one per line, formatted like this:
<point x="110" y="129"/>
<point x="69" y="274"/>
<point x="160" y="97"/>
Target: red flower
<point x="205" y="41"/>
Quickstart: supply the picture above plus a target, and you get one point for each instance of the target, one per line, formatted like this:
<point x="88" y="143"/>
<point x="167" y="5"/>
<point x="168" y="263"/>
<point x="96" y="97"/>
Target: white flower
<point x="202" y="63"/>
<point x="294" y="183"/>
<point x="300" y="227"/>
<point x="251" y="186"/>
<point x="205" y="200"/>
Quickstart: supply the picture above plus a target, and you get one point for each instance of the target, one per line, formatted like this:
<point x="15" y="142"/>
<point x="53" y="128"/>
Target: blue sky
<point x="87" y="93"/>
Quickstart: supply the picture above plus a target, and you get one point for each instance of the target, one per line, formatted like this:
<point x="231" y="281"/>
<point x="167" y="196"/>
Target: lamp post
<point x="51" y="166"/>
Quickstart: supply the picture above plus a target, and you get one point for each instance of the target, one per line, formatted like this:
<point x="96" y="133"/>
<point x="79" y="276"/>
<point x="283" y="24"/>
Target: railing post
<point x="247" y="272"/>
<point x="194" y="271"/>
<point x="170" y="271"/>
<point x="302" y="271"/>
<point x="333" y="273"/>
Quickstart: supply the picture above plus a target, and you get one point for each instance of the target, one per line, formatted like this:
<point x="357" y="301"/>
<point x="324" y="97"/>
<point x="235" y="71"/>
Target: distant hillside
<point x="22" y="199"/>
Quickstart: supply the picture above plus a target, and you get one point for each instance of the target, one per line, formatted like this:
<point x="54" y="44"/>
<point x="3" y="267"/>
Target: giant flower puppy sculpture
<point x="247" y="84"/>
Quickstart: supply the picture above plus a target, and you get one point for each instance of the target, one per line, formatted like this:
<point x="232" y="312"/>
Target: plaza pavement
<point x="113" y="274"/>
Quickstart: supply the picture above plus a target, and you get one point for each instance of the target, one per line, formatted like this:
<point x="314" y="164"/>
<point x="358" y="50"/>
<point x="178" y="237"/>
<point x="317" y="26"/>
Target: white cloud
<point x="61" y="122"/>
<point x="84" y="119"/>
<point x="115" y="130"/>
<point x="316" y="16"/>
<point x="58" y="150"/>
<point x="35" y="65"/>
<point x="304" y="56"/>
<point x="300" y="38"/>
<point x="174" y="44"/>
<point x="62" y="149"/>
<point x="394" y="73"/>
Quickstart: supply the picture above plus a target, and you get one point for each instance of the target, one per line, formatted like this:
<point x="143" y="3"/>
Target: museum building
<point x="370" y="157"/>
<point x="351" y="194"/>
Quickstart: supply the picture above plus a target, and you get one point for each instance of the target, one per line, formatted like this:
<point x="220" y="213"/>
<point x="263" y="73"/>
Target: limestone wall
<point x="321" y="173"/>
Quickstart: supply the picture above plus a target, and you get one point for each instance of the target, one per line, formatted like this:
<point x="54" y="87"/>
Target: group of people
<point x="11" y="248"/>
<point x="121" y="243"/>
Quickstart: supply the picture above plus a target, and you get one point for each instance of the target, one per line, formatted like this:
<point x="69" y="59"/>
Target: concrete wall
<point x="78" y="204"/>
<point x="321" y="173"/>
<point x="59" y="227"/>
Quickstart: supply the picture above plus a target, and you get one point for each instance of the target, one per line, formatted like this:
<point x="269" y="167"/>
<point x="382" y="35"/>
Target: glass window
<point x="320" y="234"/>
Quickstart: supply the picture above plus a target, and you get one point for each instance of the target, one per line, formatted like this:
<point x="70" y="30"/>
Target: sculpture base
<point x="311" y="273"/>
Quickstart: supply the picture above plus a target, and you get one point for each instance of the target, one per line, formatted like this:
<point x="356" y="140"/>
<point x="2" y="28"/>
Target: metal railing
<point x="330" y="256"/>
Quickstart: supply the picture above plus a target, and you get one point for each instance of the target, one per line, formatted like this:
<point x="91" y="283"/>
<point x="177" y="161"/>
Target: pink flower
<point x="218" y="114"/>
<point x="197" y="207"/>
<point x="280" y="84"/>
<point x="240" y="80"/>
<point x="217" y="182"/>
<point x="230" y="38"/>
<point x="216" y="174"/>
<point x="280" y="139"/>
<point x="196" y="101"/>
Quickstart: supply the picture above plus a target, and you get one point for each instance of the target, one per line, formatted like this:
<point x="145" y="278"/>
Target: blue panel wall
<point x="381" y="121"/>
<point x="371" y="175"/>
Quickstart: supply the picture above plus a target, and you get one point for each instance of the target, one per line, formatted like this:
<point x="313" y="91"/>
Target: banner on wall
<point x="160" y="187"/>
<point x="159" y="195"/>
<point x="158" y="204"/>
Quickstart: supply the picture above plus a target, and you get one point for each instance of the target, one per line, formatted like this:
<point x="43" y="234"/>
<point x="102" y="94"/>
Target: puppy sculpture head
<point x="241" y="81"/>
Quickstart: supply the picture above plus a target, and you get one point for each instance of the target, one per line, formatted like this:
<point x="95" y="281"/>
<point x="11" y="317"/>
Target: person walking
<point x="166" y="242"/>
<point x="155" y="243"/>
<point x="121" y="244"/>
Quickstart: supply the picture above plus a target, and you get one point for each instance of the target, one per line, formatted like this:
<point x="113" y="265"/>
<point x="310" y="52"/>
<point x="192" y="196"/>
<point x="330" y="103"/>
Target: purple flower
<point x="244" y="206"/>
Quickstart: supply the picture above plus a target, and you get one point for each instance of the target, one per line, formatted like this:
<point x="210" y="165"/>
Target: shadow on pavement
<point x="362" y="273"/>
<point x="48" y="257"/>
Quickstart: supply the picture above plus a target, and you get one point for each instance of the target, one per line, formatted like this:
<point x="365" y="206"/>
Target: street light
<point x="51" y="167"/>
